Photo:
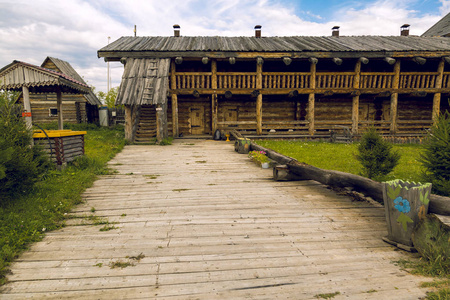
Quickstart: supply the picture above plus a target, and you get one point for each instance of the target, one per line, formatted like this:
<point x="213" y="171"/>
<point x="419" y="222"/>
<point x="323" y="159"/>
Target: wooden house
<point x="280" y="86"/>
<point x="78" y="107"/>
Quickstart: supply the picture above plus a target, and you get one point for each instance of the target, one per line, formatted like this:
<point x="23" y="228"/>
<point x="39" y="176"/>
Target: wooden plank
<point x="209" y="232"/>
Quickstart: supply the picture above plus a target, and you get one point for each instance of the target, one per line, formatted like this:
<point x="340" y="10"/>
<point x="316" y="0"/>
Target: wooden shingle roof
<point x="308" y="45"/>
<point x="144" y="82"/>
<point x="441" y="28"/>
<point x="38" y="79"/>
<point x="65" y="68"/>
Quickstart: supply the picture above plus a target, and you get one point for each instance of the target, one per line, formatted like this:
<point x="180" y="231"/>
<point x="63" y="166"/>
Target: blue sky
<point x="73" y="30"/>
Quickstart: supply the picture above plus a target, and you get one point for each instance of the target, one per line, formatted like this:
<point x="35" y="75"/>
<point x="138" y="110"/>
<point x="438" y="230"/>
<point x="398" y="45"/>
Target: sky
<point x="73" y="30"/>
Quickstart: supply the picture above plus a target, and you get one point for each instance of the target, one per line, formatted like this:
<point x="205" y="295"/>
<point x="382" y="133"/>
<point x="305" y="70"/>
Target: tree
<point x="436" y="155"/>
<point x="20" y="164"/>
<point x="376" y="155"/>
<point x="108" y="98"/>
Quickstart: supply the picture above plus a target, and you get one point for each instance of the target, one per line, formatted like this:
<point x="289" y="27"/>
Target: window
<point x="52" y="112"/>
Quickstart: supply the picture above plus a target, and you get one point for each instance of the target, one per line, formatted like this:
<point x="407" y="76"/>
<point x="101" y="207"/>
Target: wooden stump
<point x="282" y="173"/>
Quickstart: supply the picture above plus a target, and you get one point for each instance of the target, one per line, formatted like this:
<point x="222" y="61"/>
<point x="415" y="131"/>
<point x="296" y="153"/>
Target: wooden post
<point x="173" y="84"/>
<point x="128" y="123"/>
<point x="355" y="99"/>
<point x="214" y="100"/>
<point x="437" y="96"/>
<point x="59" y="107"/>
<point x="214" y="106"/>
<point x="311" y="97"/>
<point x="259" y="97"/>
<point x="394" y="98"/>
<point x="161" y="122"/>
<point x="27" y="107"/>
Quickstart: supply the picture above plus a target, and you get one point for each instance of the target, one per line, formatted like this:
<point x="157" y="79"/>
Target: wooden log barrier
<point x="438" y="204"/>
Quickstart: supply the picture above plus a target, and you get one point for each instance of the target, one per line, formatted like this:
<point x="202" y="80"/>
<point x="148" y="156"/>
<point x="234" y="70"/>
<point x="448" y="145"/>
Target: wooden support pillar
<point x="128" y="123"/>
<point x="259" y="65"/>
<point x="437" y="96"/>
<point x="214" y="108"/>
<point x="59" y="108"/>
<point x="27" y="107"/>
<point x="355" y="99"/>
<point x="161" y="122"/>
<point x="214" y="99"/>
<point x="311" y="97"/>
<point x="394" y="98"/>
<point x="173" y="83"/>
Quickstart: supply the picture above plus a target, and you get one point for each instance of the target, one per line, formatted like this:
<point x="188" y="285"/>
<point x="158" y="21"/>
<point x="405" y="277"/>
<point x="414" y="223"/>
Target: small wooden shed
<point x="31" y="79"/>
<point x="78" y="107"/>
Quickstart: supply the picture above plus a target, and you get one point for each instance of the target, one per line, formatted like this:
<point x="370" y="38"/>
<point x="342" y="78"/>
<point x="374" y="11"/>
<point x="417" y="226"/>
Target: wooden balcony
<point x="332" y="81"/>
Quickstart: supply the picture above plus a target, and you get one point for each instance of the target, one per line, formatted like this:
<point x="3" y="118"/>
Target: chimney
<point x="404" y="30"/>
<point x="176" y="30"/>
<point x="335" y="31"/>
<point x="258" y="31"/>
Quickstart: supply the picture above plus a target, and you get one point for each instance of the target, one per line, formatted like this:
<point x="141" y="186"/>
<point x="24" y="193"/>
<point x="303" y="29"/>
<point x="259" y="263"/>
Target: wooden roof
<point x="65" y="68"/>
<point x="215" y="46"/>
<point x="144" y="81"/>
<point x="38" y="79"/>
<point x="441" y="28"/>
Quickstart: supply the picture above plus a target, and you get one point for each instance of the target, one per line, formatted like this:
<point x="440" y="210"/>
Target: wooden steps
<point x="146" y="129"/>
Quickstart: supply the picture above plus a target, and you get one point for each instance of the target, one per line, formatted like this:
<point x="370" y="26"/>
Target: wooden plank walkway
<point x="198" y="221"/>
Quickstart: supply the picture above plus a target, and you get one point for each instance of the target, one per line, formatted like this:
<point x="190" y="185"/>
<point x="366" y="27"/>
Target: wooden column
<point x="161" y="122"/>
<point x="437" y="96"/>
<point x="311" y="97"/>
<point x="259" y="97"/>
<point x="355" y="99"/>
<point x="128" y="123"/>
<point x="60" y="110"/>
<point x="173" y="86"/>
<point x="27" y="107"/>
<point x="214" y="100"/>
<point x="394" y="98"/>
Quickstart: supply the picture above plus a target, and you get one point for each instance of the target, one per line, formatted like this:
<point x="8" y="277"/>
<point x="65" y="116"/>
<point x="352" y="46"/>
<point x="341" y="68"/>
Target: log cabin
<point x="77" y="107"/>
<point x="295" y="86"/>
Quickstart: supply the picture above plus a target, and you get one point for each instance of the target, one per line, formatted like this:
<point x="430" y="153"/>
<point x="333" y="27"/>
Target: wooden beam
<point x="214" y="74"/>
<point x="27" y="107"/>
<point x="311" y="96"/>
<point x="173" y="83"/>
<point x="313" y="60"/>
<point x="419" y="60"/>
<point x="437" y="96"/>
<point x="355" y="99"/>
<point x="337" y="61"/>
<point x="447" y="59"/>
<point x="364" y="60"/>
<point x="215" y="109"/>
<point x="59" y="108"/>
<point x="394" y="98"/>
<point x="259" y="60"/>
<point x="287" y="61"/>
<point x="259" y="97"/>
<point x="389" y="60"/>
<point x="161" y="122"/>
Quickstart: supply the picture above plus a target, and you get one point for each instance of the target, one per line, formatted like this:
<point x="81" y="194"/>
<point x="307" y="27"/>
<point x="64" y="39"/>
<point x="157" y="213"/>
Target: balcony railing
<point x="302" y="80"/>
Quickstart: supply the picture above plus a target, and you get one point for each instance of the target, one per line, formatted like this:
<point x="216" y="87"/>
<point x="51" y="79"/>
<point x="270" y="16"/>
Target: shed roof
<point x="144" y="81"/>
<point x="38" y="79"/>
<point x="352" y="45"/>
<point x="441" y="28"/>
<point x="65" y="68"/>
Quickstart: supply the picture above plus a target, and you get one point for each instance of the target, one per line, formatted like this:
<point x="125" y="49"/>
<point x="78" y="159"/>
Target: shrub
<point x="20" y="164"/>
<point x="376" y="155"/>
<point x="259" y="156"/>
<point x="436" y="155"/>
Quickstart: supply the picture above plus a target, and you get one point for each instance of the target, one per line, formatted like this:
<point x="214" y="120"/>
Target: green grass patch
<point x="341" y="157"/>
<point x="327" y="296"/>
<point x="24" y="220"/>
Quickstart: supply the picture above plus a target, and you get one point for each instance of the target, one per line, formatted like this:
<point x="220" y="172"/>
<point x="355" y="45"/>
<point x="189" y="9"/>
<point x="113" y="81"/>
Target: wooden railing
<point x="412" y="80"/>
<point x="285" y="80"/>
<point x="376" y="80"/>
<point x="233" y="80"/>
<point x="343" y="80"/>
<point x="302" y="80"/>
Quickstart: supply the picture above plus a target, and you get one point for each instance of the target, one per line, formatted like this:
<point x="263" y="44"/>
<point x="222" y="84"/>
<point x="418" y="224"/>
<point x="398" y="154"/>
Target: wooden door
<point x="197" y="116"/>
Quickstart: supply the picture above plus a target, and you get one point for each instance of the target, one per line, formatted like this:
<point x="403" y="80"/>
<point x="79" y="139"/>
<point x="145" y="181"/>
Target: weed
<point x="201" y="161"/>
<point x="131" y="173"/>
<point x="371" y="291"/>
<point x="93" y="209"/>
<point x="108" y="227"/>
<point x="137" y="258"/>
<point x="99" y="265"/>
<point x="151" y="176"/>
<point x="166" y="141"/>
<point x="180" y="190"/>
<point x="327" y="296"/>
<point x="120" y="264"/>
<point x="123" y="215"/>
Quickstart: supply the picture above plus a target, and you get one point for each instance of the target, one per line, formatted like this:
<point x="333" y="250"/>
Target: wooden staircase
<point x="146" y="129"/>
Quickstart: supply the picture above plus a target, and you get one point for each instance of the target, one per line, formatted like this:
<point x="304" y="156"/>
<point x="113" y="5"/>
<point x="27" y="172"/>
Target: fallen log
<point x="273" y="155"/>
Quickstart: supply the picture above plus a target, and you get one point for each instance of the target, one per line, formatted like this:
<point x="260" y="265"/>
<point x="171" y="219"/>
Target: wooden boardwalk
<point x="196" y="220"/>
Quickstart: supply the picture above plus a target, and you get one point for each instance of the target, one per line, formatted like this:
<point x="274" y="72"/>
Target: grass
<point x="24" y="220"/>
<point x="341" y="157"/>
